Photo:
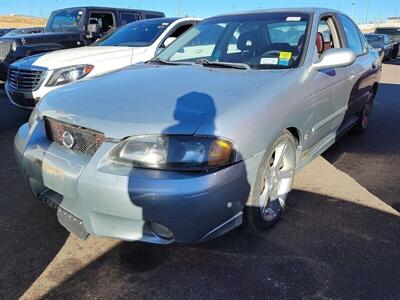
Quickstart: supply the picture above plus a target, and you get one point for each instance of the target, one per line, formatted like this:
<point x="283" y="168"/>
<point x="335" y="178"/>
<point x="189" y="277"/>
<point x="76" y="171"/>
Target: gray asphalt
<point x="325" y="247"/>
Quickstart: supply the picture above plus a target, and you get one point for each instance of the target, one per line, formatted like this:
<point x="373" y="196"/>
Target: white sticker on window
<point x="269" y="61"/>
<point x="296" y="19"/>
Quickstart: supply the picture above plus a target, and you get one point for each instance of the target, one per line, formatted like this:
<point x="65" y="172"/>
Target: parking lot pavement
<point x="373" y="159"/>
<point x="336" y="240"/>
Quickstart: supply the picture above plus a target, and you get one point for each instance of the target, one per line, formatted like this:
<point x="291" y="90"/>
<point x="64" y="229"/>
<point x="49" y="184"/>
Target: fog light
<point x="161" y="231"/>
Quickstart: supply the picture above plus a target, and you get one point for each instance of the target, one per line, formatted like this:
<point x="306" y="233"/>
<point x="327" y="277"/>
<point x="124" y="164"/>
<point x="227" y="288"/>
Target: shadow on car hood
<point x="154" y="99"/>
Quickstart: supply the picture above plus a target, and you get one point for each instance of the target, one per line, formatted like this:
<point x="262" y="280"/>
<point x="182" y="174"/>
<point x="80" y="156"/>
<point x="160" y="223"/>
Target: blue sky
<point x="371" y="10"/>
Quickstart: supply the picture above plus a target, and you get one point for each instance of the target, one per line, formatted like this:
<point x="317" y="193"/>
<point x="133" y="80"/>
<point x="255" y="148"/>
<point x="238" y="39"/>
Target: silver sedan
<point x="206" y="136"/>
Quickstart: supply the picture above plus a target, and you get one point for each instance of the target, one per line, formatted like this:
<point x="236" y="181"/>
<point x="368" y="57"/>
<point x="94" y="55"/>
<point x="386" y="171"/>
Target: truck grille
<point x="24" y="79"/>
<point x="86" y="141"/>
<point x="5" y="47"/>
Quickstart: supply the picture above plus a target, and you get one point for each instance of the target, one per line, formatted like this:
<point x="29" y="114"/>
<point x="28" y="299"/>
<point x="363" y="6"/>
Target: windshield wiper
<point x="208" y="63"/>
<point x="158" y="60"/>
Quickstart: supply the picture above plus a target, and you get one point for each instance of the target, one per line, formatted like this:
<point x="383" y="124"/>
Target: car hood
<point x="75" y="56"/>
<point x="43" y="37"/>
<point x="152" y="99"/>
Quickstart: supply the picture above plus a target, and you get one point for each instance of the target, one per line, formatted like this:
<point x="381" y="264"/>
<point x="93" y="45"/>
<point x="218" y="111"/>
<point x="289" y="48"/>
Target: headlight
<point x="14" y="46"/>
<point x="187" y="153"/>
<point x="69" y="74"/>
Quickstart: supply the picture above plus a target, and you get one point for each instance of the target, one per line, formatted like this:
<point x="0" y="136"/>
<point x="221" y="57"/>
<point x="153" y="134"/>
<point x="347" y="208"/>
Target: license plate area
<point x="72" y="223"/>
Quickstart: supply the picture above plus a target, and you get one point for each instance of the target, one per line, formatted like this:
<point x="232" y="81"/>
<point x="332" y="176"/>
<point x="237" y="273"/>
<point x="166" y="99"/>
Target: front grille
<point x="5" y="48"/>
<point x="24" y="79"/>
<point x="86" y="141"/>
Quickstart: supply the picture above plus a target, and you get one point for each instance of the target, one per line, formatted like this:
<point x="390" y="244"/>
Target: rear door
<point x="361" y="72"/>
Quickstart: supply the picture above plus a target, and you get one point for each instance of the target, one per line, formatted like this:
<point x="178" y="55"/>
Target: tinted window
<point x="129" y="17"/>
<point x="138" y="34"/>
<point x="352" y="35"/>
<point x="152" y="16"/>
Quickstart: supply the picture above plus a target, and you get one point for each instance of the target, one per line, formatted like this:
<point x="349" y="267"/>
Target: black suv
<point x="68" y="28"/>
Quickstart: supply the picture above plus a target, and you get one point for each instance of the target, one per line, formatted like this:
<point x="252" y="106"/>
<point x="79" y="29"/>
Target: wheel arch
<point x="375" y="87"/>
<point x="296" y="134"/>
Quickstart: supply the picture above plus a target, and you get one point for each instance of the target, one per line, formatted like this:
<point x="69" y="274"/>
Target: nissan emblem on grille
<point x="68" y="139"/>
<point x="74" y="137"/>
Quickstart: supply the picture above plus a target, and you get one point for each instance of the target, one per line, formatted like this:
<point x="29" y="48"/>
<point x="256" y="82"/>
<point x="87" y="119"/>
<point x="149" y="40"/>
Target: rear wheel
<point x="363" y="121"/>
<point x="272" y="185"/>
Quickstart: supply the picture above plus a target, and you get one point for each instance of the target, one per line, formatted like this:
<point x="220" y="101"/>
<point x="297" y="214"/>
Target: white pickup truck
<point x="31" y="78"/>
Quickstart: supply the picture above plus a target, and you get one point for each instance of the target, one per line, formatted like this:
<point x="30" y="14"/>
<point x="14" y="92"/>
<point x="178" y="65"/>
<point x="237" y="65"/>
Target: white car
<point x="31" y="78"/>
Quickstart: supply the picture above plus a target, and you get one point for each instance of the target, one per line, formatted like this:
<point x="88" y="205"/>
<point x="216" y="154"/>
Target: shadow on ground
<point x="373" y="158"/>
<point x="324" y="247"/>
<point x="30" y="235"/>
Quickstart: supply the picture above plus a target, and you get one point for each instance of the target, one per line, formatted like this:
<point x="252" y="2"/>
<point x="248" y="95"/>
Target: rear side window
<point x="152" y="16"/>
<point x="129" y="17"/>
<point x="352" y="35"/>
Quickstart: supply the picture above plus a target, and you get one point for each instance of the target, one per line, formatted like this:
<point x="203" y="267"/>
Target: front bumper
<point x="3" y="70"/>
<point x="121" y="202"/>
<point x="21" y="99"/>
<point x="26" y="99"/>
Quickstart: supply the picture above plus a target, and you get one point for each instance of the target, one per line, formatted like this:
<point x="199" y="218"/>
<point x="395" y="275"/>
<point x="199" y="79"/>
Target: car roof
<point x="111" y="8"/>
<point x="167" y="20"/>
<point x="317" y="10"/>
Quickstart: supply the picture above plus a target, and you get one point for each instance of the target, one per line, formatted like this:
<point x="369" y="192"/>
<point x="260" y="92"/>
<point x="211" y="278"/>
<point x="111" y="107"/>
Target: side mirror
<point x="169" y="41"/>
<point x="94" y="29"/>
<point x="335" y="58"/>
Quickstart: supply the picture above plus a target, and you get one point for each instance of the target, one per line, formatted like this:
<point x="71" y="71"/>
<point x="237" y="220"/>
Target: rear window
<point x="153" y="15"/>
<point x="137" y="34"/>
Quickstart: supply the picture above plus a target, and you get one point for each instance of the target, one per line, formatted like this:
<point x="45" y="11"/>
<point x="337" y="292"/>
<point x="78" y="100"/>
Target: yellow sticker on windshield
<point x="285" y="55"/>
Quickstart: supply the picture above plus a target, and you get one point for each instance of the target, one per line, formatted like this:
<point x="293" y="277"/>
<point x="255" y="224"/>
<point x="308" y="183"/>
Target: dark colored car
<point x="382" y="43"/>
<point x="68" y="28"/>
<point x="394" y="34"/>
<point x="4" y="31"/>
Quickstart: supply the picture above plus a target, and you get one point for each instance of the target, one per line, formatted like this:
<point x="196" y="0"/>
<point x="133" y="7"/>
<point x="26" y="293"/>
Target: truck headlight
<point x="174" y="152"/>
<point x="14" y="46"/>
<point x="69" y="74"/>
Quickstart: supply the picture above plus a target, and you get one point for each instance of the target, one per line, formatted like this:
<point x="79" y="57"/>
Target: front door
<point x="331" y="87"/>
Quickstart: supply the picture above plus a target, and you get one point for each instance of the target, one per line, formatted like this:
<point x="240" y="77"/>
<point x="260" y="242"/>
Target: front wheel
<point x="272" y="185"/>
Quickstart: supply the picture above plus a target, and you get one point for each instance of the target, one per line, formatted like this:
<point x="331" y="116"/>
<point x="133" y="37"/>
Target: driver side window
<point x="327" y="36"/>
<point x="104" y="19"/>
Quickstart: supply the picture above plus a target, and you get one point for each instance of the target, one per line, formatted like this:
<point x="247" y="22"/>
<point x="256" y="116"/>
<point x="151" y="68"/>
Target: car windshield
<point x="261" y="40"/>
<point x="136" y="34"/>
<point x="65" y="20"/>
<point x="394" y="33"/>
<point x="374" y="38"/>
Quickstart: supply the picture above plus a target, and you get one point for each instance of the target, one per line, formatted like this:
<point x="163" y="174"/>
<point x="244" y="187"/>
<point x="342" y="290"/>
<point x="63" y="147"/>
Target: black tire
<point x="254" y="221"/>
<point x="365" y="115"/>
